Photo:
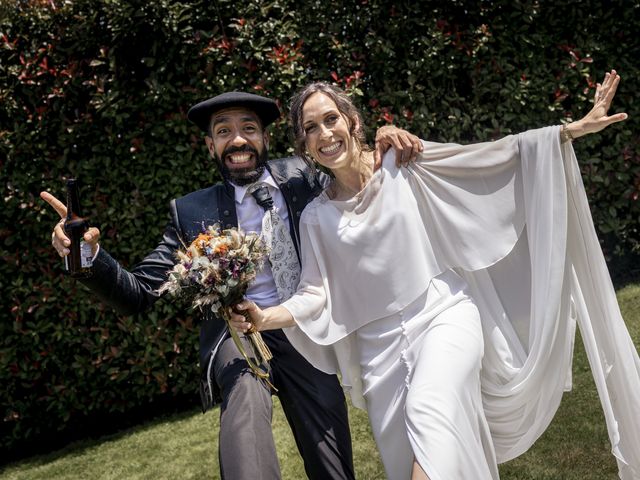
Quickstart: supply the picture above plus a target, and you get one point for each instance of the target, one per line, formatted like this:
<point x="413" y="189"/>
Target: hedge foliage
<point x="99" y="89"/>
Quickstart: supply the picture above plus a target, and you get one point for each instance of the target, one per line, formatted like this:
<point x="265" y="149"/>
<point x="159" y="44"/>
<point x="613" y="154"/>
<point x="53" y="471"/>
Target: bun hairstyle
<point x="345" y="107"/>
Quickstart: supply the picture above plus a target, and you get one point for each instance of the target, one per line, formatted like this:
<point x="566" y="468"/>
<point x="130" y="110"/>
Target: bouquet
<point x="214" y="273"/>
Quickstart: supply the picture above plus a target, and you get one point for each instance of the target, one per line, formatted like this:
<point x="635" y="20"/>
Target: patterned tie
<point x="282" y="253"/>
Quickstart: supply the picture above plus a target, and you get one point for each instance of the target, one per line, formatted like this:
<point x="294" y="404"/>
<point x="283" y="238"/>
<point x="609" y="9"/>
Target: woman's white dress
<point x="393" y="281"/>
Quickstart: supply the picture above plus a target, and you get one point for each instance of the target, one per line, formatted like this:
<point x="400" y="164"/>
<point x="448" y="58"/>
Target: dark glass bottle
<point x="80" y="259"/>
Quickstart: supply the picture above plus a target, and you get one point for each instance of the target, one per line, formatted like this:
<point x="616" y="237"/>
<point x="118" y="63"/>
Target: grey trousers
<point x="313" y="403"/>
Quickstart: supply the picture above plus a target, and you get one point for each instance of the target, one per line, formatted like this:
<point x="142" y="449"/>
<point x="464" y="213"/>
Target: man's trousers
<point x="313" y="403"/>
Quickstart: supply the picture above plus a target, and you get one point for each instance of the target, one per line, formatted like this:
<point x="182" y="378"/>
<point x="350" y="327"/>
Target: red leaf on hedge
<point x="226" y="45"/>
<point x="560" y="95"/>
<point x="7" y="43"/>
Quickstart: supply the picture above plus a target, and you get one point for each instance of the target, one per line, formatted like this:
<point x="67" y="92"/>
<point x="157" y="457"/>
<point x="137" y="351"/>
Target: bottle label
<point x="86" y="255"/>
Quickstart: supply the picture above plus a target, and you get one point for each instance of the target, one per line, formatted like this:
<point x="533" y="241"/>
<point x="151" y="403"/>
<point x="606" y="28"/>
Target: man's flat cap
<point x="265" y="108"/>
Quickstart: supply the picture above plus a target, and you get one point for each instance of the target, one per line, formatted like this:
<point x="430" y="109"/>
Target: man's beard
<point x="243" y="176"/>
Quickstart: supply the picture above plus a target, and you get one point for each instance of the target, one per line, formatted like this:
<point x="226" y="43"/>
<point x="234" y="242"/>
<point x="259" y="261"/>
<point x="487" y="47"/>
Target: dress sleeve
<point x="531" y="299"/>
<point x="310" y="306"/>
<point x="470" y="200"/>
<point x="310" y="299"/>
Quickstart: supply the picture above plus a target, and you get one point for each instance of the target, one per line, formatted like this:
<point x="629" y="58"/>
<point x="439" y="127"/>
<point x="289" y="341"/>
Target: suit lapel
<point x="198" y="210"/>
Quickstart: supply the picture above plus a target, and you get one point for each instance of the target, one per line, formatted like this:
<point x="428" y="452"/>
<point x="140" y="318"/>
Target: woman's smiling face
<point x="327" y="132"/>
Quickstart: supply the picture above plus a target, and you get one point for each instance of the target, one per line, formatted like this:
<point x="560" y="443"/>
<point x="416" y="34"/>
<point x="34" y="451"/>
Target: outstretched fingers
<point x="57" y="205"/>
<point x="606" y="90"/>
<point x="59" y="239"/>
<point x="607" y="93"/>
<point x="618" y="117"/>
<point x="611" y="89"/>
<point x="597" y="119"/>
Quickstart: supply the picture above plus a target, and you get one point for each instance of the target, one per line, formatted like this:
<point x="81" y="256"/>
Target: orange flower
<point x="221" y="248"/>
<point x="200" y="241"/>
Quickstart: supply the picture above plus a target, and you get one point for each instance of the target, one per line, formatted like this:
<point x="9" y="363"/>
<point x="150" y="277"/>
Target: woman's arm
<point x="306" y="304"/>
<point x="270" y="318"/>
<point x="597" y="118"/>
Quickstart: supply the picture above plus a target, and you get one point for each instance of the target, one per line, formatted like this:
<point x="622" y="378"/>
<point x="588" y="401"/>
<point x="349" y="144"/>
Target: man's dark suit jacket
<point x="133" y="291"/>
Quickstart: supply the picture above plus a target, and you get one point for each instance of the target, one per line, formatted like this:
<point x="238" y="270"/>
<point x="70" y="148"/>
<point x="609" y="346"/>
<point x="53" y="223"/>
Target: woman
<point x="446" y="292"/>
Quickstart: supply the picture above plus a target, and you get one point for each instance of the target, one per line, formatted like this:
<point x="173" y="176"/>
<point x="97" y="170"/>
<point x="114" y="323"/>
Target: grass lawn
<point x="575" y="446"/>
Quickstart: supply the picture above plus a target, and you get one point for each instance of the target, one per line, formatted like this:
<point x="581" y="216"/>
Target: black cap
<point x="265" y="108"/>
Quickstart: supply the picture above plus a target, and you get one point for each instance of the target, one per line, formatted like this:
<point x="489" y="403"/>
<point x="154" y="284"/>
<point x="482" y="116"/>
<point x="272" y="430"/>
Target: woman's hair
<point x="345" y="107"/>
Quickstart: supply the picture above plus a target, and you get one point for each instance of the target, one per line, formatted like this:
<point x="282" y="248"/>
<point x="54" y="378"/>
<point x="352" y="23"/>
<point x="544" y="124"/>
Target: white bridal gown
<point x="446" y="295"/>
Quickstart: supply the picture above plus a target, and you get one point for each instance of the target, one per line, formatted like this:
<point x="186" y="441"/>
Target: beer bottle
<point x="80" y="258"/>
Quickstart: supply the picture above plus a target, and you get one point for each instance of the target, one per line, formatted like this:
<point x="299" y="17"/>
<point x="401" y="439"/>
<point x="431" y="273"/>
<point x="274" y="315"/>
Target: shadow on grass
<point x="88" y="431"/>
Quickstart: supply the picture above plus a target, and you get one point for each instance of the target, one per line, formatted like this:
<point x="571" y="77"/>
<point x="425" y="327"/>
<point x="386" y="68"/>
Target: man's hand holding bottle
<point x="70" y="232"/>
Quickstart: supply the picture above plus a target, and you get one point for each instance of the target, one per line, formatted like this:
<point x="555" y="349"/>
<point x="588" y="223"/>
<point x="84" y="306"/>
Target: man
<point x="235" y="124"/>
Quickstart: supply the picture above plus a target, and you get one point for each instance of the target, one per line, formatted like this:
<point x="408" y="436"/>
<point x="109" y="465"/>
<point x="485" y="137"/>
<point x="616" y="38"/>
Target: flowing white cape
<point x="512" y="218"/>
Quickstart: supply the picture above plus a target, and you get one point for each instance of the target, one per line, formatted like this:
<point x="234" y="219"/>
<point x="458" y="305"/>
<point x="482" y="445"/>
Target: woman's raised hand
<point x="597" y="119"/>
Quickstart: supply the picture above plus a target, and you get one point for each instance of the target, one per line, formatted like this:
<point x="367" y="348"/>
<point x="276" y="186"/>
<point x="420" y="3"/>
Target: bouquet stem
<point x="260" y="349"/>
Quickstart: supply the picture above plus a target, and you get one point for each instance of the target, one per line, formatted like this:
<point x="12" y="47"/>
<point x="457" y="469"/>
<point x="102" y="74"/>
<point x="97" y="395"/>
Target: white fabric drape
<point x="512" y="218"/>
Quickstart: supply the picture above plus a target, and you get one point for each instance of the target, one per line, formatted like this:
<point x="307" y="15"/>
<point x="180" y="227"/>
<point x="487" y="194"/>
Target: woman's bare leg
<point x="417" y="473"/>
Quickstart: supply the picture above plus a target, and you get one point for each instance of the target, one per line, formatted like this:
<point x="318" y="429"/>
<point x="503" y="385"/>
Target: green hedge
<point x="99" y="89"/>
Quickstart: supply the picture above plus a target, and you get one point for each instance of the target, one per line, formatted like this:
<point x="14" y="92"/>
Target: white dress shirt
<point x="263" y="289"/>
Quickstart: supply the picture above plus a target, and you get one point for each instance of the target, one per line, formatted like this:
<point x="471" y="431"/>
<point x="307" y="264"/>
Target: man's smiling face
<point x="238" y="144"/>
